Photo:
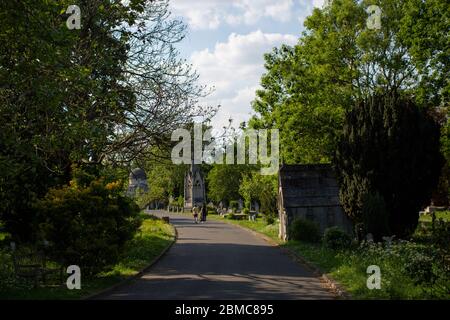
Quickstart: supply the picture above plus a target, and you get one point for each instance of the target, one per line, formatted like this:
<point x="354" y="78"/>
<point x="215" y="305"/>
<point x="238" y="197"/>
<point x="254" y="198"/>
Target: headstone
<point x="388" y="240"/>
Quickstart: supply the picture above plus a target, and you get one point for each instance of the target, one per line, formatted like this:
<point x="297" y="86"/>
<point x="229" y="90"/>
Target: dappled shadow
<point x="216" y="260"/>
<point x="224" y="271"/>
<point x="205" y="288"/>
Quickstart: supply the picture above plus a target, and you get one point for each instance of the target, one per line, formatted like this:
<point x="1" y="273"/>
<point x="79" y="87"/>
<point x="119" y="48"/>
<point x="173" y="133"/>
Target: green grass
<point x="259" y="226"/>
<point x="154" y="236"/>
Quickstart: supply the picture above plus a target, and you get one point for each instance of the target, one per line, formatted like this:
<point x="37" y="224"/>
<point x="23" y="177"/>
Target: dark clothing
<point x="203" y="213"/>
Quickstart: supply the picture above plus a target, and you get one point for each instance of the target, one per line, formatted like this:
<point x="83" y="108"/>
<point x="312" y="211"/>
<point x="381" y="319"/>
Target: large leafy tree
<point x="339" y="61"/>
<point x="224" y="181"/>
<point x="99" y="95"/>
<point x="389" y="148"/>
<point x="260" y="188"/>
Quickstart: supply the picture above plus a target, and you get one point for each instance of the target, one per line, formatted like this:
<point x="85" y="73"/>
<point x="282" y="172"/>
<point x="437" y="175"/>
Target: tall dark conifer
<point x="390" y="147"/>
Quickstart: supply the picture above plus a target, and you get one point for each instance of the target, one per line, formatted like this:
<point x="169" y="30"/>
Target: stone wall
<point x="310" y="192"/>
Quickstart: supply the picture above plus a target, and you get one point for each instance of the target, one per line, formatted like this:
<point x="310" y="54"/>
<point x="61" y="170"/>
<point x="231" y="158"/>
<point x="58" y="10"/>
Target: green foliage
<point x="440" y="237"/>
<point x="337" y="239"/>
<point x="260" y="188"/>
<point x="423" y="29"/>
<point x="337" y="61"/>
<point x="304" y="230"/>
<point x="234" y="205"/>
<point x="153" y="237"/>
<point x="86" y="96"/>
<point x="87" y="224"/>
<point x="391" y="147"/>
<point x="246" y="211"/>
<point x="375" y="216"/>
<point x="269" y="219"/>
<point x="165" y="178"/>
<point x="223" y="182"/>
<point x="410" y="270"/>
<point x="180" y="201"/>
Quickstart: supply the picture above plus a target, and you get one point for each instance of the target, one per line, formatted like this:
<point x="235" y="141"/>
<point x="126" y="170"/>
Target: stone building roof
<point x="308" y="186"/>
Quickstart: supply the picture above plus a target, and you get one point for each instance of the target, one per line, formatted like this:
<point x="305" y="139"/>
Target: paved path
<point x="217" y="260"/>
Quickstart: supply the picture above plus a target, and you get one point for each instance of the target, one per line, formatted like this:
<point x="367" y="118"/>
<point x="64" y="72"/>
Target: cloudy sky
<point x="226" y="42"/>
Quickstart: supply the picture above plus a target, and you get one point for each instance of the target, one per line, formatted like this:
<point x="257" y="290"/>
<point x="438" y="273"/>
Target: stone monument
<point x="194" y="187"/>
<point x="137" y="180"/>
<point x="310" y="192"/>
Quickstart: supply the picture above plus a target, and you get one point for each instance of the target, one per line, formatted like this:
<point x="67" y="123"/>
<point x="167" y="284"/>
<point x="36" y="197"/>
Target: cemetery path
<point x="216" y="261"/>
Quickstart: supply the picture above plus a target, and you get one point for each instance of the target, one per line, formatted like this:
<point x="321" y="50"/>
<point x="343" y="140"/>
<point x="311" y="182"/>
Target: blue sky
<point x="226" y="42"/>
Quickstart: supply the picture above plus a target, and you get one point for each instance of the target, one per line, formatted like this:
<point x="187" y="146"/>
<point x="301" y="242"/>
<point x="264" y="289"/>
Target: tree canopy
<point x="100" y="95"/>
<point x="338" y="61"/>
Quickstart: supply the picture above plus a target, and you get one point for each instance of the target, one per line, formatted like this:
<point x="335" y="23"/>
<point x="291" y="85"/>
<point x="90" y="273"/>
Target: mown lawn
<point x="349" y="267"/>
<point x="259" y="226"/>
<point x="154" y="236"/>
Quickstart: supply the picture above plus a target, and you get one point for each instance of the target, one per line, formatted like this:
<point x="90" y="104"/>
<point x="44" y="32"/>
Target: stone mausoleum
<point x="310" y="192"/>
<point x="137" y="180"/>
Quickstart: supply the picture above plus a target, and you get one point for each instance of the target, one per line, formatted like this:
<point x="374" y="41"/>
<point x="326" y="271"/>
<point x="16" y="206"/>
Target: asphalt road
<point x="217" y="260"/>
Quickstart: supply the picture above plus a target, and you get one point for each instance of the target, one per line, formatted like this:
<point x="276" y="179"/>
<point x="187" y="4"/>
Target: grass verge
<point x="153" y="237"/>
<point x="259" y="226"/>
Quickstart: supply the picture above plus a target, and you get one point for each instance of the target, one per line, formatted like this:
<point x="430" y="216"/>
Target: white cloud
<point x="210" y="14"/>
<point x="235" y="68"/>
<point x="318" y="3"/>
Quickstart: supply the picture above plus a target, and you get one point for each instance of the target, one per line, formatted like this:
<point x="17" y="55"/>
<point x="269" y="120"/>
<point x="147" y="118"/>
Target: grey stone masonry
<point x="310" y="192"/>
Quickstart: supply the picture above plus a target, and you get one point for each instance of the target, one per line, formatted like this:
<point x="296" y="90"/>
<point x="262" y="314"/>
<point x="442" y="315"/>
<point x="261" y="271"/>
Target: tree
<point x="165" y="180"/>
<point x="264" y="189"/>
<point x="390" y="147"/>
<point x="338" y="61"/>
<point x="87" y="223"/>
<point x="97" y="96"/>
<point x="224" y="181"/>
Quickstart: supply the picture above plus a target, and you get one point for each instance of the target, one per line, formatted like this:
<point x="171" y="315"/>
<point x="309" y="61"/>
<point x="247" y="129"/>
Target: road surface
<point x="217" y="260"/>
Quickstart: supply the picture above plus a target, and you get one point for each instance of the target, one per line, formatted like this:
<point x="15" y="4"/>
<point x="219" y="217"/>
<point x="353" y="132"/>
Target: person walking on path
<point x="204" y="213"/>
<point x="195" y="213"/>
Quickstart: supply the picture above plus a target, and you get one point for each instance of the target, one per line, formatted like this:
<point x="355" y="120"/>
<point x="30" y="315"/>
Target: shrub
<point x="304" y="230"/>
<point x="269" y="219"/>
<point x="440" y="235"/>
<point x="87" y="225"/>
<point x="234" y="205"/>
<point x="335" y="238"/>
<point x="246" y="211"/>
<point x="7" y="276"/>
